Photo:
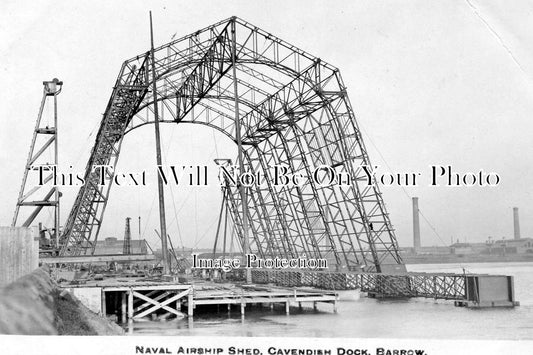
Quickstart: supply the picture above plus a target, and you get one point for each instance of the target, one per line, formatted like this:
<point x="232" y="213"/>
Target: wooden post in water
<point x="190" y="310"/>
<point x="123" y="308"/>
<point x="130" y="304"/>
<point x="103" y="306"/>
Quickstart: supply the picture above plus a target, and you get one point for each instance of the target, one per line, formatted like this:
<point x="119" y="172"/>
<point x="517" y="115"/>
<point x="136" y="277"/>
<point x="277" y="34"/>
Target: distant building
<point x="491" y="247"/>
<point x="435" y="250"/>
<point x="468" y="248"/>
<point x="110" y="246"/>
<point x="183" y="252"/>
<point x="512" y="246"/>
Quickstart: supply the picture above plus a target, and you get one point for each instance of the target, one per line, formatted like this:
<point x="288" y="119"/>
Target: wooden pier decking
<point x="131" y="299"/>
<point x="269" y="295"/>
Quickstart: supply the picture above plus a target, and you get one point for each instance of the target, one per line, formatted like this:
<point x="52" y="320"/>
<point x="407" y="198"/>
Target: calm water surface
<point x="363" y="317"/>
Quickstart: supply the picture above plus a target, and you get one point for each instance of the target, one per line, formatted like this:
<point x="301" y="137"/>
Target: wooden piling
<point x="123" y="308"/>
<point x="103" y="306"/>
<point x="130" y="304"/>
<point x="190" y="302"/>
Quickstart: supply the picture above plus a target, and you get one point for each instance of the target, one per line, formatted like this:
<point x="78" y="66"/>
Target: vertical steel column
<point x="242" y="190"/>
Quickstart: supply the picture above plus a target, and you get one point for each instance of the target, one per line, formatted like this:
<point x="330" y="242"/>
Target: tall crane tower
<point x="39" y="189"/>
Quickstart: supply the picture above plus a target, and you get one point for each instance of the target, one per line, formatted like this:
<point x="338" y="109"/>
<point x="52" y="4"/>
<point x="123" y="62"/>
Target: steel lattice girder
<point x="294" y="111"/>
<point x="413" y="284"/>
<point x="79" y="235"/>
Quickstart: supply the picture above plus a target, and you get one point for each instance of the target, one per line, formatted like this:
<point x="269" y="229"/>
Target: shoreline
<point x="453" y="259"/>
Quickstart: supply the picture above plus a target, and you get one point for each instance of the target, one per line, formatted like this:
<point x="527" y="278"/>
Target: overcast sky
<point x="447" y="82"/>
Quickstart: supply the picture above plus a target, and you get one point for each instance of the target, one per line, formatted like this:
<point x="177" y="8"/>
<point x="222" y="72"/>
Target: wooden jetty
<point x="134" y="299"/>
<point x="269" y="295"/>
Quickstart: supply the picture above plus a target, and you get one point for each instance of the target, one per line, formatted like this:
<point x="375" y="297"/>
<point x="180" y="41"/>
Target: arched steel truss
<point x="294" y="111"/>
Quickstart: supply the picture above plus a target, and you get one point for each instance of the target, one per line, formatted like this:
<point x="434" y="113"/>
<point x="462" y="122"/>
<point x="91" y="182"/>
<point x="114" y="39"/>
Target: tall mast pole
<point x="162" y="218"/>
<point x="242" y="189"/>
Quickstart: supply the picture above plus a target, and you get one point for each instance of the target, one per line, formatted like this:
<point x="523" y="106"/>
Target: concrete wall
<point x="19" y="252"/>
<point x="91" y="297"/>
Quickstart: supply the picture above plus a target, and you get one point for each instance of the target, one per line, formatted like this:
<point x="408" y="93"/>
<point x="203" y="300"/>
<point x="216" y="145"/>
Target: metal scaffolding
<point x="40" y="171"/>
<point x="293" y="111"/>
<point x="470" y="290"/>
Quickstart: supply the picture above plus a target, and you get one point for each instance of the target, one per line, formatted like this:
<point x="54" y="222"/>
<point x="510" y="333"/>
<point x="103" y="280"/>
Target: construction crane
<point x="38" y="191"/>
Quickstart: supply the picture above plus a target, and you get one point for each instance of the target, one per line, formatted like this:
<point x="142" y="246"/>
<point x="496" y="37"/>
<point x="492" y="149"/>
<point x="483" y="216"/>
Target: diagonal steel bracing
<point x="294" y="112"/>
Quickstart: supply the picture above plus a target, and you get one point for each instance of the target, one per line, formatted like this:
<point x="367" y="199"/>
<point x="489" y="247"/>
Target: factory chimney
<point x="516" y="223"/>
<point x="416" y="224"/>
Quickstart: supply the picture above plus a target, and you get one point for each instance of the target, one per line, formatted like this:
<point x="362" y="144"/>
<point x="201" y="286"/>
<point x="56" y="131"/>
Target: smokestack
<point x="516" y="223"/>
<point x="416" y="224"/>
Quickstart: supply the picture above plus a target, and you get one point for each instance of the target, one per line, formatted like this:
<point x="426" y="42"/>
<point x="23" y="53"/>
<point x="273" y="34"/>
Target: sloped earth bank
<point x="34" y="305"/>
